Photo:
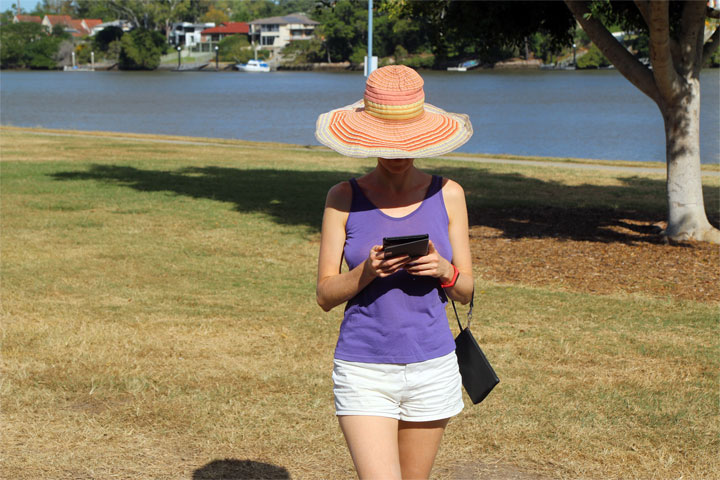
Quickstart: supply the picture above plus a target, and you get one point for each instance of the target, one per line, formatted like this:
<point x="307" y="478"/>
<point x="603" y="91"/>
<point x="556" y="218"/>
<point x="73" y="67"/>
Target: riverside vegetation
<point x="159" y="316"/>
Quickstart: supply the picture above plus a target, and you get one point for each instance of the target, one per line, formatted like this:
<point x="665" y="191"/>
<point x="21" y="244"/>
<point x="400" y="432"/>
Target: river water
<point x="584" y="114"/>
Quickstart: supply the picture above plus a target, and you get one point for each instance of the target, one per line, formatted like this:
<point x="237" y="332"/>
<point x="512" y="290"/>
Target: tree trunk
<point x="686" y="208"/>
<point x="674" y="85"/>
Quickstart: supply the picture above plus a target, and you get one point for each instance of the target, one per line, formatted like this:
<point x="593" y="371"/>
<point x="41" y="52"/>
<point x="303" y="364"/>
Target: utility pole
<point x="369" y="67"/>
<point x="370" y="35"/>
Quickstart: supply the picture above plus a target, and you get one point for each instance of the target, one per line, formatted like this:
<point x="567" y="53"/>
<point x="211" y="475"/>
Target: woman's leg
<point x="373" y="444"/>
<point x="418" y="443"/>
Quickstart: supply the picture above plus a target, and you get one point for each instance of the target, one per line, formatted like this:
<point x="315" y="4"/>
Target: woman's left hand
<point x="431" y="265"/>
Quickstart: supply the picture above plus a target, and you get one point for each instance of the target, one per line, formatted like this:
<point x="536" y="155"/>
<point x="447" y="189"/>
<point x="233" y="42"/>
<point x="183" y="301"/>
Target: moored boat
<point x="253" y="66"/>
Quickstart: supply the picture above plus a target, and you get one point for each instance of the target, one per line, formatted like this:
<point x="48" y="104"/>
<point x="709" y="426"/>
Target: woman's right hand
<point x="378" y="266"/>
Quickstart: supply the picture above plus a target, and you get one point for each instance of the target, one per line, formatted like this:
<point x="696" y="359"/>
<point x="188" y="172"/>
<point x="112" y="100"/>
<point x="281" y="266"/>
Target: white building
<point x="187" y="34"/>
<point x="276" y="32"/>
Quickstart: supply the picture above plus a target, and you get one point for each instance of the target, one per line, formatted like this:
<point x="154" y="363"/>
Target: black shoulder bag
<point x="478" y="376"/>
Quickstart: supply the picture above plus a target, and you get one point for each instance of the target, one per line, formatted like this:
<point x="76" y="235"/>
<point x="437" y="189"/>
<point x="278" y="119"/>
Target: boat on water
<point x="253" y="66"/>
<point x="464" y="66"/>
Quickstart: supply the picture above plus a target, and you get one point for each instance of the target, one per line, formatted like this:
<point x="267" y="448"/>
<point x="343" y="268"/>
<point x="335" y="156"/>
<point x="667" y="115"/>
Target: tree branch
<point x="710" y="47"/>
<point x="712" y="13"/>
<point x="637" y="73"/>
<point x="644" y="7"/>
<point x="666" y="78"/>
<point x="691" y="38"/>
<point x="121" y="10"/>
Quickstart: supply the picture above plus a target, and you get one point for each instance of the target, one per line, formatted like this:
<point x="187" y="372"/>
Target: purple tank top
<point x="400" y="318"/>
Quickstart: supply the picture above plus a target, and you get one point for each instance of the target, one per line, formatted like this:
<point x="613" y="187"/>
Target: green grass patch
<point x="158" y="314"/>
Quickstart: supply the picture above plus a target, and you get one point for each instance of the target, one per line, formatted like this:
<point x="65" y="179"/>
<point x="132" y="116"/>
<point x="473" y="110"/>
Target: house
<point x="27" y="18"/>
<point x="276" y="32"/>
<point x="75" y="27"/>
<point x="213" y="35"/>
<point x="89" y="24"/>
<point x="50" y="21"/>
<point x="187" y="34"/>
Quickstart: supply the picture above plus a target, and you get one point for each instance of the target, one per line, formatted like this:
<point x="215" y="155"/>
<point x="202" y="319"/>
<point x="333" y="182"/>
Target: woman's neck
<point x="397" y="181"/>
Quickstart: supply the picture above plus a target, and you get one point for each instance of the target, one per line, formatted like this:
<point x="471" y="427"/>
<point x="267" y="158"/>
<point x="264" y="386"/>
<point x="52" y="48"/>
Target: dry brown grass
<point x="158" y="321"/>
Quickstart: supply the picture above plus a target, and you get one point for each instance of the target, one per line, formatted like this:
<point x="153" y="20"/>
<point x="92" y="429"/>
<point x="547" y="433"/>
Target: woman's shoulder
<point x="452" y="190"/>
<point x="340" y="196"/>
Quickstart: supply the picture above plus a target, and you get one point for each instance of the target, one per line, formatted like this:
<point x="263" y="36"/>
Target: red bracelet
<point x="451" y="283"/>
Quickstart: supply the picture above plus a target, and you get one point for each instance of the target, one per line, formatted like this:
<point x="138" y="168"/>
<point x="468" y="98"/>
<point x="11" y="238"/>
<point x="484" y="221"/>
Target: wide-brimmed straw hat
<point x="393" y="121"/>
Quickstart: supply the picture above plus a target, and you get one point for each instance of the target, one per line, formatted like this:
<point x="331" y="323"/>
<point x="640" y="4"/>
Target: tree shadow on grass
<point x="516" y="205"/>
<point x="231" y="469"/>
<point x="289" y="197"/>
<point x="526" y="207"/>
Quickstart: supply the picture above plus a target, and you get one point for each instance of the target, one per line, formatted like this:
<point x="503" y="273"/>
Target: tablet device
<point x="412" y="245"/>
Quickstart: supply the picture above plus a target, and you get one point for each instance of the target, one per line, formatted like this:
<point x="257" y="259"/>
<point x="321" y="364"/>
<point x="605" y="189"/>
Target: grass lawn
<point x="159" y="321"/>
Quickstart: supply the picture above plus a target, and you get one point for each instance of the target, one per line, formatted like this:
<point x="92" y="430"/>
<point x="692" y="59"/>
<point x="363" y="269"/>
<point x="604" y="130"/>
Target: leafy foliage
<point x="343" y="29"/>
<point x="592" y="59"/>
<point x="27" y="45"/>
<point x="714" y="60"/>
<point x="304" y="51"/>
<point x="93" y="9"/>
<point x="234" y="48"/>
<point x="215" y="16"/>
<point x="105" y="37"/>
<point x="486" y="29"/>
<point x="344" y="32"/>
<point x="141" y="50"/>
<point x="82" y="53"/>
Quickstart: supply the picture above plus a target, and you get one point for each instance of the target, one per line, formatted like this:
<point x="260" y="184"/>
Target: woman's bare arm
<point x="459" y="233"/>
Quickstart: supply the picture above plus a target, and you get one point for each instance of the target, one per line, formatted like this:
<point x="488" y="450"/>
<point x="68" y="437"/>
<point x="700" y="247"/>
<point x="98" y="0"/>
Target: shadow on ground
<point x="516" y="205"/>
<point x="231" y="469"/>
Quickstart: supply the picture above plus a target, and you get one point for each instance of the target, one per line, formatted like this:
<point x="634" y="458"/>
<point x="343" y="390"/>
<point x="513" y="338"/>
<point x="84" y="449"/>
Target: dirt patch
<point x="604" y="252"/>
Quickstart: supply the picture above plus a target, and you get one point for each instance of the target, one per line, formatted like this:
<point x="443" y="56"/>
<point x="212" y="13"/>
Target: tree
<point x="303" y="51"/>
<point x="13" y="39"/>
<point x="592" y="59"/>
<point x="215" y="16"/>
<point x="153" y="14"/>
<point x="235" y="48"/>
<point x="57" y="7"/>
<point x="27" y="45"/>
<point x="344" y="29"/>
<point x="248" y="10"/>
<point x="677" y="54"/>
<point x="141" y="50"/>
<point x="105" y="37"/>
<point x="93" y="9"/>
<point x="486" y="29"/>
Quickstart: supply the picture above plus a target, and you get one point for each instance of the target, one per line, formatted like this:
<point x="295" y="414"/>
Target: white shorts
<point x="414" y="392"/>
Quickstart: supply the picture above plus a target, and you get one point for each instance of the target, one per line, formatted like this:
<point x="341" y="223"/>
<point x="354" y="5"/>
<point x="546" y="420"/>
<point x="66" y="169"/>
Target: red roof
<point x="92" y="22"/>
<point x="59" y="20"/>
<point x="77" y="25"/>
<point x="28" y="18"/>
<point x="228" y="28"/>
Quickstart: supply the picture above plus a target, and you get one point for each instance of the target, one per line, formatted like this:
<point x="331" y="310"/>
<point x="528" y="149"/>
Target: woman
<point x="396" y="379"/>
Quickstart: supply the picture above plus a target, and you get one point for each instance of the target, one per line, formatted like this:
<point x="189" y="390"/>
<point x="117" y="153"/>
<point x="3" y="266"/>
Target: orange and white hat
<point x="393" y="121"/>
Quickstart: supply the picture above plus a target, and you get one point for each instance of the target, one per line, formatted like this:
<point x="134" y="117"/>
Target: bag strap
<point x="469" y="314"/>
